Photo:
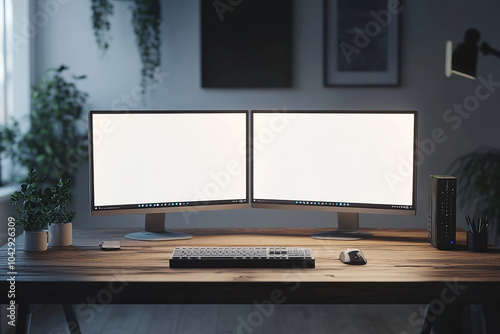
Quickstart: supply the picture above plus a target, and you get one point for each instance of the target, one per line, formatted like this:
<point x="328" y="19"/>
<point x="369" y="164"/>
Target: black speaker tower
<point x="442" y="211"/>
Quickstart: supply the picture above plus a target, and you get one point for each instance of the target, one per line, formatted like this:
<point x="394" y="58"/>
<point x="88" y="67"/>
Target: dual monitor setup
<point x="154" y="162"/>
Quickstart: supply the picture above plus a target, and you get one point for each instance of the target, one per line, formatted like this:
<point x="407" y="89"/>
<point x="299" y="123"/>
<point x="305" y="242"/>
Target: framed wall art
<point x="246" y="44"/>
<point x="362" y="42"/>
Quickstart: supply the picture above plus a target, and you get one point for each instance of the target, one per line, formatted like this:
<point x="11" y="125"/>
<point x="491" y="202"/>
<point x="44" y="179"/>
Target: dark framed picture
<point x="246" y="44"/>
<point x="362" y="42"/>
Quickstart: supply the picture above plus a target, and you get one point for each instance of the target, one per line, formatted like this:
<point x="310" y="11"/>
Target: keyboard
<point x="242" y="257"/>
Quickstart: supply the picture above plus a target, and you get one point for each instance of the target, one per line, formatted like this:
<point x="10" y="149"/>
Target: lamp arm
<point x="486" y="49"/>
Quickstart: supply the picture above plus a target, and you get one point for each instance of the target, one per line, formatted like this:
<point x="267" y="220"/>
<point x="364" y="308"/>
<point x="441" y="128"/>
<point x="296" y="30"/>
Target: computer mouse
<point x="352" y="256"/>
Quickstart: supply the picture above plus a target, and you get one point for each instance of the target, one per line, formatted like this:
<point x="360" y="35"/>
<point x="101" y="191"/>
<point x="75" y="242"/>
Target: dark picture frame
<point x="362" y="42"/>
<point x="246" y="44"/>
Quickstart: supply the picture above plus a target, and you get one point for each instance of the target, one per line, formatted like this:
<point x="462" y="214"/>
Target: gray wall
<point x="426" y="25"/>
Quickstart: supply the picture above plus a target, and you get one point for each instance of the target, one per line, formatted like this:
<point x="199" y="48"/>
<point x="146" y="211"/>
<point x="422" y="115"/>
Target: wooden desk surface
<point x="402" y="268"/>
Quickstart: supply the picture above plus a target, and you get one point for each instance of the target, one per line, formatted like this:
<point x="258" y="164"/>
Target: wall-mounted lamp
<point x="463" y="61"/>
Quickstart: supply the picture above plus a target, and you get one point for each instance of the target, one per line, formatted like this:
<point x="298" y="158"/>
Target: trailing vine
<point x="101" y="13"/>
<point x="146" y="20"/>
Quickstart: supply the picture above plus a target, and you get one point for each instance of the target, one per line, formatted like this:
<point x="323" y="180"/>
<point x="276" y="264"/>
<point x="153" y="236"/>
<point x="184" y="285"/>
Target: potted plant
<point x="478" y="176"/>
<point x="60" y="226"/>
<point x="41" y="207"/>
<point x="54" y="143"/>
<point x="34" y="213"/>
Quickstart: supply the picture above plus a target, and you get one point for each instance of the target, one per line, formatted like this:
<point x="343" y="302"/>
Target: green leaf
<point x="62" y="68"/>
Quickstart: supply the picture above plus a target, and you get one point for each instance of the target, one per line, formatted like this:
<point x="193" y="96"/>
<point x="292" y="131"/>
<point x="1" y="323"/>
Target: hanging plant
<point x="146" y="21"/>
<point x="101" y="13"/>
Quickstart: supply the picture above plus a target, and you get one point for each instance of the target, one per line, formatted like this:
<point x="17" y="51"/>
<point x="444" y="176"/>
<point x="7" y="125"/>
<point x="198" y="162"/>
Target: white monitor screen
<point x="155" y="160"/>
<point x="345" y="161"/>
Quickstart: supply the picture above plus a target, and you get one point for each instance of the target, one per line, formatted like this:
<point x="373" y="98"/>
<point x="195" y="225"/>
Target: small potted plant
<point x="478" y="175"/>
<point x="34" y="213"/>
<point x="60" y="226"/>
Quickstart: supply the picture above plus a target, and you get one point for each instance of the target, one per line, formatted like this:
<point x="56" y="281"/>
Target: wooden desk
<point x="402" y="268"/>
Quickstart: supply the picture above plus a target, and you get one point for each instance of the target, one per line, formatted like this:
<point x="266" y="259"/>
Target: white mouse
<point x="352" y="256"/>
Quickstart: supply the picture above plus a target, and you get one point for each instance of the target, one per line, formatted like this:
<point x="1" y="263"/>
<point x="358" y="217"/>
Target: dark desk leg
<point x="491" y="318"/>
<point x="71" y="319"/>
<point x="447" y="320"/>
<point x="23" y="323"/>
<point x="426" y="324"/>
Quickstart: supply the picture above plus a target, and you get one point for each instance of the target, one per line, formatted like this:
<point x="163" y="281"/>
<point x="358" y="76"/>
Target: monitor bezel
<point x="222" y="205"/>
<point x="270" y="204"/>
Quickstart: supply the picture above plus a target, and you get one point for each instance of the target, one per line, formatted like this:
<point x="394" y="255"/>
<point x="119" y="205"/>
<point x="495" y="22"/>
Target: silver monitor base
<point x="158" y="236"/>
<point x="342" y="235"/>
<point x="348" y="229"/>
<point x="155" y="230"/>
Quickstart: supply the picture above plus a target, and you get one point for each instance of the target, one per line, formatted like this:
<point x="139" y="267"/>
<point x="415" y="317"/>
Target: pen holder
<point x="477" y="242"/>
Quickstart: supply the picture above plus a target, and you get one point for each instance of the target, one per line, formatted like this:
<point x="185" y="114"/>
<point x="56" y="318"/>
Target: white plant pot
<point x="36" y="241"/>
<point x="61" y="234"/>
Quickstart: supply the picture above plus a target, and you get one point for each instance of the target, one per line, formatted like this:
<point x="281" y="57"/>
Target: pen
<point x="484" y="227"/>
<point x="471" y="222"/>
<point x="467" y="220"/>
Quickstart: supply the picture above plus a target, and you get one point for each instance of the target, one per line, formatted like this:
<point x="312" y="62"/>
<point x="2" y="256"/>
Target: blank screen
<point x="141" y="158"/>
<point x="351" y="158"/>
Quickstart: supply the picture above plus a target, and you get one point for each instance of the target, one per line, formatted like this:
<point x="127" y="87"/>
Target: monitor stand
<point x="155" y="230"/>
<point x="348" y="229"/>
